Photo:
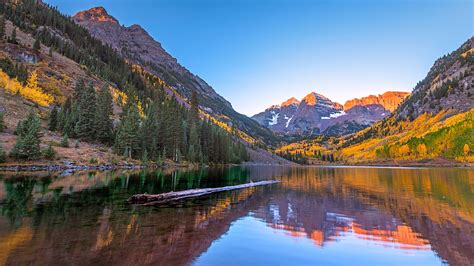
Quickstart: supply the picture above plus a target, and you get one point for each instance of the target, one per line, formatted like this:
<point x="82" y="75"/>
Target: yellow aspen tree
<point x="404" y="151"/>
<point x="33" y="91"/>
<point x="466" y="149"/>
<point x="421" y="149"/>
<point x="32" y="82"/>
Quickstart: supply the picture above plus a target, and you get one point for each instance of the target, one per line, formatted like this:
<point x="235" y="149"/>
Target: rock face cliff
<point x="316" y="114"/>
<point x="389" y="100"/>
<point x="138" y="47"/>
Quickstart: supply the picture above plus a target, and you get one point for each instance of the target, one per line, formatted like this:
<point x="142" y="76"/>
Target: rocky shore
<point x="67" y="166"/>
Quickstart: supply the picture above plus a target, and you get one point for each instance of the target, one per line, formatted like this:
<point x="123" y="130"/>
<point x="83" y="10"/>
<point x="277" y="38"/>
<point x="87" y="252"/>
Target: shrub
<point x="27" y="144"/>
<point x="93" y="160"/>
<point x="64" y="141"/>
<point x="49" y="153"/>
<point x="3" y="156"/>
<point x="2" y="122"/>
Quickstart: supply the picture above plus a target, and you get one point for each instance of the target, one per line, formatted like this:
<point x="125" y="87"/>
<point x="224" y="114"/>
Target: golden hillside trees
<point x="30" y="91"/>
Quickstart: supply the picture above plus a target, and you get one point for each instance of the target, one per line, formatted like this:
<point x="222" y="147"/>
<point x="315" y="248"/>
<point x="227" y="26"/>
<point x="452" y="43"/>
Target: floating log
<point x="154" y="199"/>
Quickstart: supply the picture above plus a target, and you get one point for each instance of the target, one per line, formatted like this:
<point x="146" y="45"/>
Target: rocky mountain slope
<point x="316" y="114"/>
<point x="448" y="85"/>
<point x="137" y="46"/>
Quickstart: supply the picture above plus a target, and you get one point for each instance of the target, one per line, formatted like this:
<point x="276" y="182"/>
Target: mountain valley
<point x="54" y="66"/>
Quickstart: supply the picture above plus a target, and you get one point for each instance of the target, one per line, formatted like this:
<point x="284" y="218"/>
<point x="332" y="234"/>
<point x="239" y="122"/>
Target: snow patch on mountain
<point x="274" y="119"/>
<point x="288" y="121"/>
<point x="334" y="115"/>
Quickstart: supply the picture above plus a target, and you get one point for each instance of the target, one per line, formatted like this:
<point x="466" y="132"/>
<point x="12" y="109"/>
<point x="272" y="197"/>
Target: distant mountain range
<point x="316" y="114"/>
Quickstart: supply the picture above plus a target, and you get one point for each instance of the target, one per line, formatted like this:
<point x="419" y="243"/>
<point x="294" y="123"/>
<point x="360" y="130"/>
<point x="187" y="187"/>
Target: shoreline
<point x="72" y="167"/>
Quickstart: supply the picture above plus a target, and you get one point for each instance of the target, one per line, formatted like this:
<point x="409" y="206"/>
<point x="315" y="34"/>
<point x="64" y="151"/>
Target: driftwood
<point x="154" y="199"/>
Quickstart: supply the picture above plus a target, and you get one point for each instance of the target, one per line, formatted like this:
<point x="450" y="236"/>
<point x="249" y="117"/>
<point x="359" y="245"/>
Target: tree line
<point x="296" y="157"/>
<point x="300" y="158"/>
<point x="161" y="129"/>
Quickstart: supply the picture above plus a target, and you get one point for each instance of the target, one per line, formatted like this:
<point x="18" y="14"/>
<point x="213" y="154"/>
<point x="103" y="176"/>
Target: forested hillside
<point x="84" y="90"/>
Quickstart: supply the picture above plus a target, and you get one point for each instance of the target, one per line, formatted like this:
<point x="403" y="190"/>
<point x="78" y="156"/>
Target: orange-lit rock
<point x="389" y="100"/>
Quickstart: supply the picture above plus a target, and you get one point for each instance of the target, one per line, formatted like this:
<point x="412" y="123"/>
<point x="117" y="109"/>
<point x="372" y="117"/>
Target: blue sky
<point x="260" y="52"/>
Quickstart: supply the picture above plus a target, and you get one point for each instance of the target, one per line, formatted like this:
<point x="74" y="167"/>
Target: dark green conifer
<point x="49" y="153"/>
<point x="36" y="45"/>
<point x="2" y="27"/>
<point x="27" y="144"/>
<point x="2" y="122"/>
<point x="13" y="36"/>
<point x="150" y="132"/>
<point x="53" y="119"/>
<point x="85" y="126"/>
<point x="194" y="149"/>
<point x="127" y="141"/>
<point x="3" y="155"/>
<point x="103" y="120"/>
<point x="65" y="141"/>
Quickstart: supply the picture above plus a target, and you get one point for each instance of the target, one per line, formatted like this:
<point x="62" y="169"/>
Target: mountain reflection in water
<point x="326" y="215"/>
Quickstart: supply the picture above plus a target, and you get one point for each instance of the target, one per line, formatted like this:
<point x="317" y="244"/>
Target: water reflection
<point x="362" y="213"/>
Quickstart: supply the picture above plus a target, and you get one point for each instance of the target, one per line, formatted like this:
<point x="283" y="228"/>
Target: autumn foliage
<point x="31" y="91"/>
<point x="427" y="137"/>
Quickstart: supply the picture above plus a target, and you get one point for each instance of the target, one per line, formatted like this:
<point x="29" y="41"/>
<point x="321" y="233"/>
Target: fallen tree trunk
<point x="153" y="199"/>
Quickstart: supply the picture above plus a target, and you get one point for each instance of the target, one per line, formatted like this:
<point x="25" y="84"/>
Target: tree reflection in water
<point x="83" y="218"/>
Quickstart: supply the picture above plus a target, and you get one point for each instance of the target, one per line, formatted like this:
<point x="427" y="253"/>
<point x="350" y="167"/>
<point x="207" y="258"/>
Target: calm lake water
<point x="314" y="216"/>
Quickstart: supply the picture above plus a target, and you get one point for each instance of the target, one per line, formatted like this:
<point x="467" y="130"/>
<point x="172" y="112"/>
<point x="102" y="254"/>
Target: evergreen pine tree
<point x="2" y="122"/>
<point x="149" y="131"/>
<point x="67" y="118"/>
<point x="127" y="141"/>
<point x="2" y="27"/>
<point x="13" y="36"/>
<point x="167" y="129"/>
<point x="103" y="121"/>
<point x="79" y="88"/>
<point x="85" y="126"/>
<point x="36" y="45"/>
<point x="27" y="144"/>
<point x="49" y="153"/>
<point x="194" y="149"/>
<point x="3" y="155"/>
<point x="65" y="141"/>
<point x="53" y="119"/>
<point x="144" y="158"/>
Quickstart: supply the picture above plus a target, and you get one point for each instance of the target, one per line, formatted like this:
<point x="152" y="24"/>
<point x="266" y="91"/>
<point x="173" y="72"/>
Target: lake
<point x="314" y="216"/>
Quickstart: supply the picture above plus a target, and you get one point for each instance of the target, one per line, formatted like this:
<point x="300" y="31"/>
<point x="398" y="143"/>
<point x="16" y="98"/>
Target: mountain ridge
<point x="317" y="114"/>
<point x="389" y="100"/>
<point x="138" y="46"/>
